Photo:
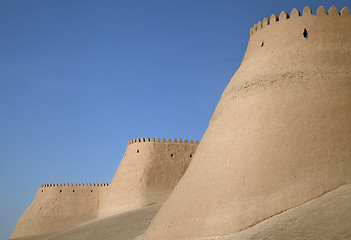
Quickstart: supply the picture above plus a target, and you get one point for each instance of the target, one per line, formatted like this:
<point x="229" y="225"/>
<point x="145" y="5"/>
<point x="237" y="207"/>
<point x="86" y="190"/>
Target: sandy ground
<point x="327" y="217"/>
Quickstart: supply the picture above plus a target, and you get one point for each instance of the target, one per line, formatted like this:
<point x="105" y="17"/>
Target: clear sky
<point x="78" y="79"/>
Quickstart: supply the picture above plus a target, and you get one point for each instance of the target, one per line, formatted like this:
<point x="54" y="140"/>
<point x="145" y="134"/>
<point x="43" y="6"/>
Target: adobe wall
<point x="280" y="135"/>
<point x="149" y="171"/>
<point x="57" y="207"/>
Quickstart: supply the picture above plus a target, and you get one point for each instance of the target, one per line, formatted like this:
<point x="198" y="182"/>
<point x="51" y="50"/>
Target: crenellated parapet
<point x="75" y="185"/>
<point x="321" y="12"/>
<point x="277" y="45"/>
<point x="158" y="140"/>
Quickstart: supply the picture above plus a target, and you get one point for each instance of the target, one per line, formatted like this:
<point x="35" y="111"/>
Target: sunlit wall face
<point x="79" y="79"/>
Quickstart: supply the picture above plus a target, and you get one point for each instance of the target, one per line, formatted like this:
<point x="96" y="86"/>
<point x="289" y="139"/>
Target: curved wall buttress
<point x="280" y="135"/>
<point x="149" y="171"/>
<point x="147" y="174"/>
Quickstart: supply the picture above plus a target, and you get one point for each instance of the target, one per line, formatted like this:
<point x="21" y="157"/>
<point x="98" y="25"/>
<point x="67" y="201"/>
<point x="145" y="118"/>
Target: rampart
<point x="280" y="135"/>
<point x="148" y="173"/>
<point x="57" y="207"/>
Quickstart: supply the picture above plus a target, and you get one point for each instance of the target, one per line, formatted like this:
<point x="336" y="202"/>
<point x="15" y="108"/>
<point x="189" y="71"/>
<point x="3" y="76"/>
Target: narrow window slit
<point x="305" y="33"/>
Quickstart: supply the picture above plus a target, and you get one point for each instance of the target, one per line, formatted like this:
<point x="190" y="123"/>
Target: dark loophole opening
<point x="138" y="151"/>
<point x="60" y="190"/>
<point x="91" y="191"/>
<point x="262" y="43"/>
<point x="42" y="190"/>
<point x="305" y="33"/>
<point x="74" y="190"/>
<point x="172" y="155"/>
<point x="191" y="155"/>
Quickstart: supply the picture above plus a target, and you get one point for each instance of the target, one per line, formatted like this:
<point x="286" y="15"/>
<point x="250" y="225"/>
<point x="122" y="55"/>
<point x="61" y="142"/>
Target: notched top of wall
<point x="75" y="185"/>
<point x="321" y="11"/>
<point x="158" y="140"/>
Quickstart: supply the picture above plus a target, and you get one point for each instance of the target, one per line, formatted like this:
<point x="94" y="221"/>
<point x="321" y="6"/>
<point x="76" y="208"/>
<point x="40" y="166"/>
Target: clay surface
<point x="280" y="135"/>
<point x="327" y="217"/>
<point x="56" y="208"/>
<point x="147" y="175"/>
<point x="126" y="226"/>
<point x="149" y="171"/>
<point x="277" y="147"/>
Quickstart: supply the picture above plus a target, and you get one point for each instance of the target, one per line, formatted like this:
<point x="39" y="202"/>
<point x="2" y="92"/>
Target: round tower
<point x="280" y="135"/>
<point x="148" y="173"/>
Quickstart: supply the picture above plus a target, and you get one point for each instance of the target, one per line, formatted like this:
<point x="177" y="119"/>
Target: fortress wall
<point x="280" y="135"/>
<point x="148" y="172"/>
<point x="57" y="207"/>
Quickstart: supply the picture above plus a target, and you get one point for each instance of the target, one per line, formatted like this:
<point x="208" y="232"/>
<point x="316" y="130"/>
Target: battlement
<point x="158" y="140"/>
<point x="75" y="185"/>
<point x="321" y="12"/>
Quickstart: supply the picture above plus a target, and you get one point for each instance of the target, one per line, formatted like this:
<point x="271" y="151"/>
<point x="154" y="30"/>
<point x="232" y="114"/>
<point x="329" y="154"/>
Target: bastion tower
<point x="280" y="135"/>
<point x="148" y="173"/>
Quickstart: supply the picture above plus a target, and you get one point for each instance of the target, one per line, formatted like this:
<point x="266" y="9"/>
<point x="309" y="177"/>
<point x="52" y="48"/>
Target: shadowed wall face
<point x="148" y="173"/>
<point x="56" y="208"/>
<point x="280" y="135"/>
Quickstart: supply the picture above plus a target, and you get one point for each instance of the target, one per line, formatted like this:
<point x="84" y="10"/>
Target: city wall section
<point x="57" y="207"/>
<point x="280" y="135"/>
<point x="148" y="173"/>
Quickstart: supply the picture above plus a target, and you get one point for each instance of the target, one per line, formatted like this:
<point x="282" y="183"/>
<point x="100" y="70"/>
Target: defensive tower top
<point x="293" y="39"/>
<point x="321" y="12"/>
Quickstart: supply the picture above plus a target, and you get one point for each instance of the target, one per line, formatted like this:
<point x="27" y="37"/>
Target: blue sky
<point x="78" y="79"/>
